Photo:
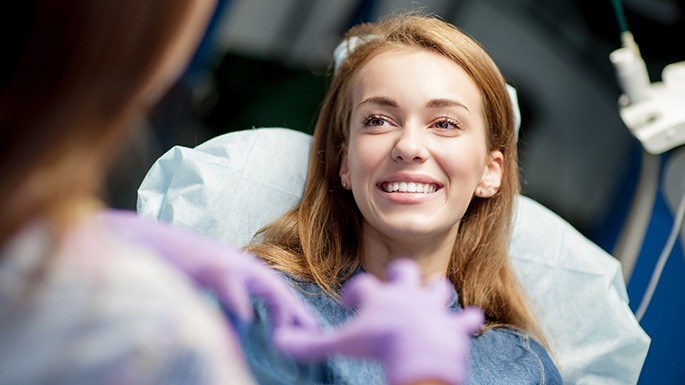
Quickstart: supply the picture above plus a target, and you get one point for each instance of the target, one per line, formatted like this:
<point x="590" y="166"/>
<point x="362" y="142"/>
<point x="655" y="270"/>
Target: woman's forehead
<point x="413" y="73"/>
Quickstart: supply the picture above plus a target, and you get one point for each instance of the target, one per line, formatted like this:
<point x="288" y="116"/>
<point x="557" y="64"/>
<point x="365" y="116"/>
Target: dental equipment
<point x="654" y="114"/>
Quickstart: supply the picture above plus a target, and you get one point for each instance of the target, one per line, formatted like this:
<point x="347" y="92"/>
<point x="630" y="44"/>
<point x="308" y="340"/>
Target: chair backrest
<point x="230" y="186"/>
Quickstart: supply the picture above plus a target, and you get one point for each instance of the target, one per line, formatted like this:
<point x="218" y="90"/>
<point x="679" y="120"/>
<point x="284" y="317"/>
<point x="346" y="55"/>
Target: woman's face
<point x="417" y="146"/>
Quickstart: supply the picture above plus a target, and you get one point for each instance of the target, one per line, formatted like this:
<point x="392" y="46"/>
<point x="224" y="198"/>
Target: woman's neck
<point x="432" y="253"/>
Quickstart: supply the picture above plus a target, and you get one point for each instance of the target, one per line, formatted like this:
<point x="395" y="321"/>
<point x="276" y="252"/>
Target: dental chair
<point x="230" y="186"/>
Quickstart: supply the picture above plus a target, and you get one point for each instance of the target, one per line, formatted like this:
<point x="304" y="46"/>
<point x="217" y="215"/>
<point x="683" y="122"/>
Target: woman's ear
<point x="492" y="178"/>
<point x="345" y="174"/>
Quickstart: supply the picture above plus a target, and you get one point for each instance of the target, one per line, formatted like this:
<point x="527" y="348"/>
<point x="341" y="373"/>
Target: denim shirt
<point x="498" y="356"/>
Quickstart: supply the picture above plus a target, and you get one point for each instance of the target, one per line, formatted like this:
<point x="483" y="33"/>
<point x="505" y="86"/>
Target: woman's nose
<point x="410" y="146"/>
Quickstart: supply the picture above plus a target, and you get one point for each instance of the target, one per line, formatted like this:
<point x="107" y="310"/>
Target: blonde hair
<point x="320" y="239"/>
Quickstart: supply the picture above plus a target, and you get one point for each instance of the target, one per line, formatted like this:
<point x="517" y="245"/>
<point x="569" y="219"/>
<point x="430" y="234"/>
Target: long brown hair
<point x="320" y="239"/>
<point x="69" y="96"/>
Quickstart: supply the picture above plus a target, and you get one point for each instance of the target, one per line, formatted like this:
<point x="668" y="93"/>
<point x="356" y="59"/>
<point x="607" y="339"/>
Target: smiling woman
<point x="416" y="156"/>
<point x="413" y="156"/>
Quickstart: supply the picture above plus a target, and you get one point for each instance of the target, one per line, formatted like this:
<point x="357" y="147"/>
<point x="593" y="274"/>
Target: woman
<point x="413" y="156"/>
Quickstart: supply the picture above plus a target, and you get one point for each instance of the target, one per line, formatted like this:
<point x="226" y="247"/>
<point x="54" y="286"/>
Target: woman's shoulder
<point x="508" y="356"/>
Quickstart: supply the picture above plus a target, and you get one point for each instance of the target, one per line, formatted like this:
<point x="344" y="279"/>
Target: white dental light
<point x="653" y="112"/>
<point x="658" y="120"/>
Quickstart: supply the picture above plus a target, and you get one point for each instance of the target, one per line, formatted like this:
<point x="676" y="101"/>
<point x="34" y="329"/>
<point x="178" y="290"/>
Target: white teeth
<point x="411" y="187"/>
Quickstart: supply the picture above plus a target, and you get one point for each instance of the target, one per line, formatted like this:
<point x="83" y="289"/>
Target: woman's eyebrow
<point x="379" y="100"/>
<point x="440" y="103"/>
<point x="434" y="103"/>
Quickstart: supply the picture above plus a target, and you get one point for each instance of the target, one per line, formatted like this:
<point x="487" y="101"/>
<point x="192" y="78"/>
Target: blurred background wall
<point x="264" y="63"/>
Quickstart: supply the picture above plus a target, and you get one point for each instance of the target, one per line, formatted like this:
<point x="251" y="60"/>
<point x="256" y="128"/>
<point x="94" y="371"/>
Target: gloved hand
<point x="404" y="325"/>
<point x="229" y="272"/>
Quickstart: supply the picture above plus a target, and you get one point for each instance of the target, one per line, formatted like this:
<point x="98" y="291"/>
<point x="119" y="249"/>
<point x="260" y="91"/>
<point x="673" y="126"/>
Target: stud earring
<point x="344" y="184"/>
<point x="481" y="192"/>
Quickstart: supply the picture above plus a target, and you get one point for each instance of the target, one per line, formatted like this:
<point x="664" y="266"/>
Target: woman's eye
<point x="447" y="124"/>
<point x="374" y="120"/>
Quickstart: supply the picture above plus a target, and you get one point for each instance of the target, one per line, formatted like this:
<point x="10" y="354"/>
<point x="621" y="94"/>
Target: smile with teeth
<point x="409" y="187"/>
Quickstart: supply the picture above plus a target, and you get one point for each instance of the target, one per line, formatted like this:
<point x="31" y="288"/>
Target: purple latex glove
<point x="232" y="274"/>
<point x="401" y="323"/>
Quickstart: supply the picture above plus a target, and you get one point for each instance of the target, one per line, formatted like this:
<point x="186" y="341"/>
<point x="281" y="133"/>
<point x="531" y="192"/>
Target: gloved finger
<point x="357" y="288"/>
<point x="296" y="313"/>
<point x="471" y="319"/>
<point x="404" y="271"/>
<point x="290" y="312"/>
<point x="283" y="304"/>
<point x="441" y="290"/>
<point x="310" y="345"/>
<point x="235" y="297"/>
